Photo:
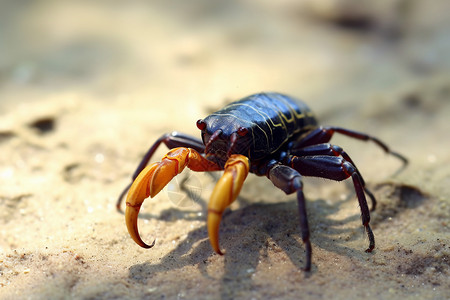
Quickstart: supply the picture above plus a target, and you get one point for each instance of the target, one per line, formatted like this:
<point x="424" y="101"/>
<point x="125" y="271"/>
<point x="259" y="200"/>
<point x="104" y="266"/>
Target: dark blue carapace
<point x="269" y="121"/>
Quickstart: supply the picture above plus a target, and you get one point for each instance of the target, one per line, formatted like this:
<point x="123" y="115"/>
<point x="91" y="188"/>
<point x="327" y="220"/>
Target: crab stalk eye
<point x="242" y="131"/>
<point x="201" y="124"/>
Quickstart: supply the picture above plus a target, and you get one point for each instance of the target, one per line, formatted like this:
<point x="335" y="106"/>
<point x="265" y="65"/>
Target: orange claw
<point x="136" y="195"/>
<point x="154" y="178"/>
<point x="225" y="192"/>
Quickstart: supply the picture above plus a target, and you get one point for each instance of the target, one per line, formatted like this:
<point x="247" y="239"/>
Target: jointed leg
<point x="333" y="150"/>
<point x="323" y="134"/>
<point x="171" y="140"/>
<point x="289" y="180"/>
<point x="313" y="140"/>
<point x="336" y="168"/>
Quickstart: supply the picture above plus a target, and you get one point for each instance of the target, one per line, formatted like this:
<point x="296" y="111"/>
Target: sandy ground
<point x="86" y="88"/>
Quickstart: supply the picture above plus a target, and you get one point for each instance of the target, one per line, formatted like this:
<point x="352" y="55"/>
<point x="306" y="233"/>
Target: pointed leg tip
<point x="217" y="250"/>
<point x="143" y="244"/>
<point x="146" y="246"/>
<point x="370" y="249"/>
<point x="404" y="160"/>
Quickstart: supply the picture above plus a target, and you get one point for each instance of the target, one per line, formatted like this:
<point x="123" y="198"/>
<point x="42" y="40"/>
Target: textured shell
<point x="271" y="119"/>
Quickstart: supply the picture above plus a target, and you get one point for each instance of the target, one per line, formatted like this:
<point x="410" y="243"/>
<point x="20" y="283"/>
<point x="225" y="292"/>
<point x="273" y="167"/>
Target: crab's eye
<point x="242" y="131"/>
<point x="201" y="124"/>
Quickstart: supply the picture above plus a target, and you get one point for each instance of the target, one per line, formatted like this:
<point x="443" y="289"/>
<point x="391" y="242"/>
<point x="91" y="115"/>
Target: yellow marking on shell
<point x="264" y="116"/>
<point x="268" y="119"/>
<point x="283" y="118"/>
<point x="297" y="115"/>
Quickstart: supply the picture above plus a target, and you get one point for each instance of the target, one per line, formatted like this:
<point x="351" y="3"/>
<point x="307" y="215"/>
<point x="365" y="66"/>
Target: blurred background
<point x="87" y="86"/>
<point x="214" y="50"/>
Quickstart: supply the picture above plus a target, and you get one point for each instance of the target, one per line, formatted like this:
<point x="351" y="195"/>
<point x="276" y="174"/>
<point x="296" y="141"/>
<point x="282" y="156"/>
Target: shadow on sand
<point x="252" y="231"/>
